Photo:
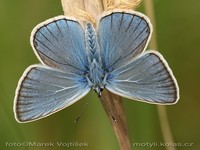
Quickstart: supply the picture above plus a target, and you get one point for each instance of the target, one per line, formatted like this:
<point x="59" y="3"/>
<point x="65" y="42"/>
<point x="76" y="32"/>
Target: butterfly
<point x="77" y="58"/>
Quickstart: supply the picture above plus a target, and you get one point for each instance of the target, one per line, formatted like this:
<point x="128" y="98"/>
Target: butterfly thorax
<point x="95" y="73"/>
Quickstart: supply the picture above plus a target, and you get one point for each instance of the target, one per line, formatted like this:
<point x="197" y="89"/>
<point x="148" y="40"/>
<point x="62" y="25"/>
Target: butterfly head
<point x="98" y="89"/>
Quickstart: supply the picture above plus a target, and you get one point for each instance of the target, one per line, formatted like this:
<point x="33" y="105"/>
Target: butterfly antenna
<point x="82" y="111"/>
<point x="108" y="107"/>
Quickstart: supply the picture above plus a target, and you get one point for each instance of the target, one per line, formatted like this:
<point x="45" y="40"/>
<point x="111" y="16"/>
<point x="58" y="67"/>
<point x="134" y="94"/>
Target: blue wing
<point x="122" y="36"/>
<point x="59" y="43"/>
<point x="147" y="78"/>
<point x="43" y="91"/>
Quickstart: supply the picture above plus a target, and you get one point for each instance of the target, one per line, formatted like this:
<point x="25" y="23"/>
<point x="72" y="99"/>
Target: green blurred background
<point x="178" y="35"/>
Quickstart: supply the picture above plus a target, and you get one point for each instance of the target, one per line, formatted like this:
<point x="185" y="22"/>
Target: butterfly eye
<point x="101" y="89"/>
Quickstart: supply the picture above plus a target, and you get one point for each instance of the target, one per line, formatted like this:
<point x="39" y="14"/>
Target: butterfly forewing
<point x="43" y="91"/>
<point x="147" y="78"/>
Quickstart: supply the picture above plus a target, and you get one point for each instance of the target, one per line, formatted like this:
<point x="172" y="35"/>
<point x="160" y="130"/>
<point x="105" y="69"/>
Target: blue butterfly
<point x="77" y="58"/>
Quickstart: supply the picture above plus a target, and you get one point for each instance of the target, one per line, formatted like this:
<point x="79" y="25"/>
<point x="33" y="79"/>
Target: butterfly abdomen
<point x="96" y="74"/>
<point x="92" y="45"/>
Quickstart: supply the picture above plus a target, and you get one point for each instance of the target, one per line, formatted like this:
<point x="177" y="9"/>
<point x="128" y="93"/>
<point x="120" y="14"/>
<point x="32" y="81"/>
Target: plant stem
<point x="120" y="125"/>
<point x="93" y="9"/>
<point x="162" y="113"/>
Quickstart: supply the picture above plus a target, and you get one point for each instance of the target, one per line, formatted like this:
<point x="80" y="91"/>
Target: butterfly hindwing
<point x="59" y="43"/>
<point x="122" y="36"/>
